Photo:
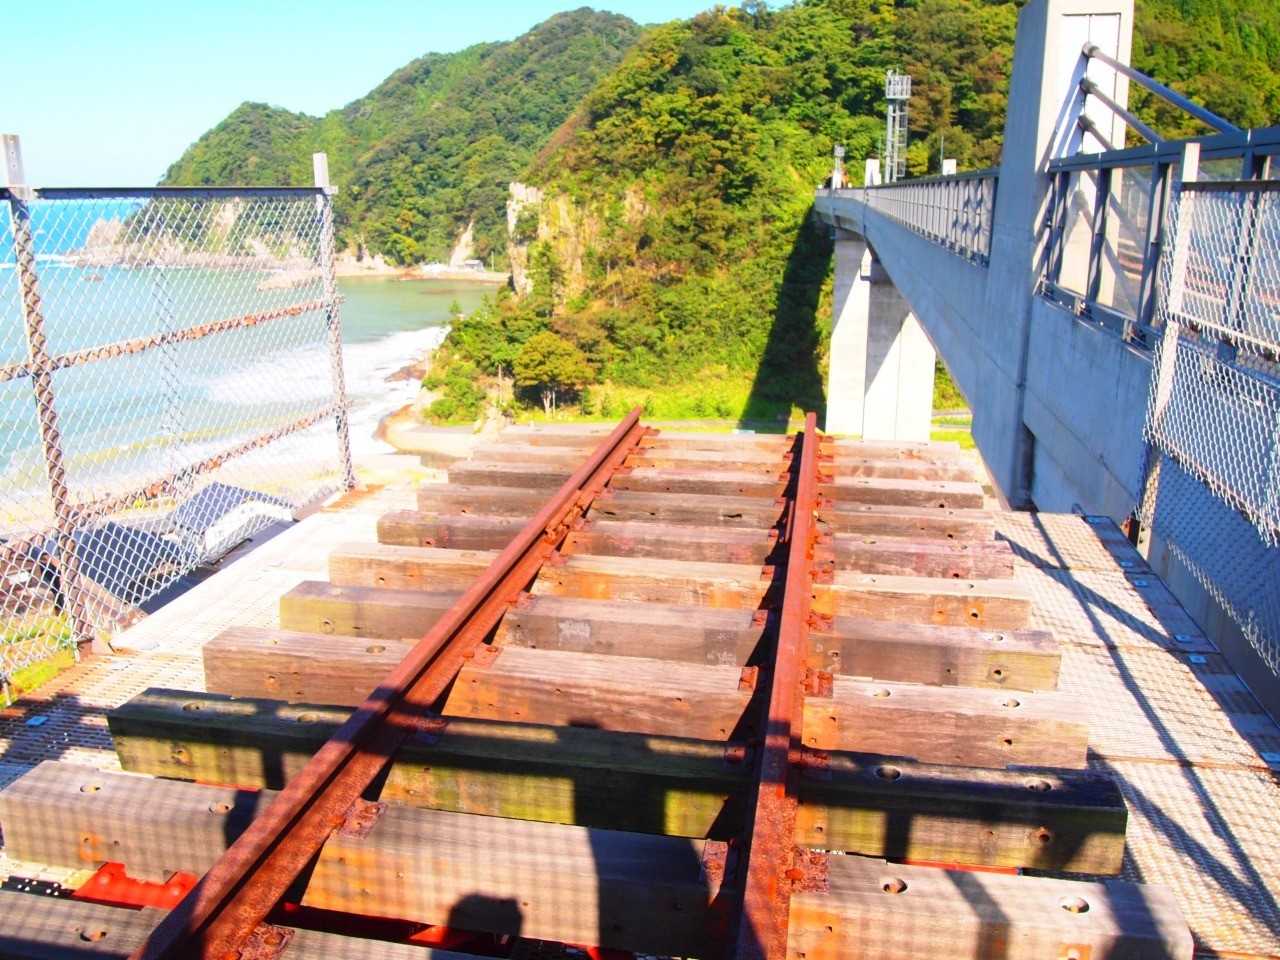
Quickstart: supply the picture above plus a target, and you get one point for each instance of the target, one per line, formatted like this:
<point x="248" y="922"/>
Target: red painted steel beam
<point x="759" y="930"/>
<point x="239" y="891"/>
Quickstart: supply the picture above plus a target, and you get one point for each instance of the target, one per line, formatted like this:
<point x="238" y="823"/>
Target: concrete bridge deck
<point x="1194" y="754"/>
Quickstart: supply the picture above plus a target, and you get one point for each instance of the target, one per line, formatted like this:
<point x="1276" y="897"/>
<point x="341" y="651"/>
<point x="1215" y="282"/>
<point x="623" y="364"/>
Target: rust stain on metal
<point x="821" y="622"/>
<point x="484" y="656"/>
<point x="810" y="871"/>
<point x="266" y="943"/>
<point x="812" y="764"/>
<point x="759" y="927"/>
<point x="524" y="601"/>
<point x="818" y="683"/>
<point x="360" y="820"/>
<point x="747" y="680"/>
<point x="737" y="756"/>
<point x="429" y="728"/>
<point x="715" y="858"/>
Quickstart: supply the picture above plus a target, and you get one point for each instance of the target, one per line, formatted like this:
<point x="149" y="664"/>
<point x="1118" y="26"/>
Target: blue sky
<point x="111" y="93"/>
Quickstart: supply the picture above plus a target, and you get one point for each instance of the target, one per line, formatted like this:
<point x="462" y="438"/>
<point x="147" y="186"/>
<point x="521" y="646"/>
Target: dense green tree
<point x="551" y="364"/>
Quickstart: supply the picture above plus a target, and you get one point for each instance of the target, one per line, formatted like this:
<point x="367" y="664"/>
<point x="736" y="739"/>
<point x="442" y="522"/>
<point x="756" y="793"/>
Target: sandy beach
<point x="346" y="265"/>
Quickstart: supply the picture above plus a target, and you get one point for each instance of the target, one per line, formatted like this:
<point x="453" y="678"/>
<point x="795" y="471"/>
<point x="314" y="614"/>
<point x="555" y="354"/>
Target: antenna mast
<point x="897" y="91"/>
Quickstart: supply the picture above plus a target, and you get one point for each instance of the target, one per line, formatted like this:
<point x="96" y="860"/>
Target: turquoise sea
<point x="128" y="419"/>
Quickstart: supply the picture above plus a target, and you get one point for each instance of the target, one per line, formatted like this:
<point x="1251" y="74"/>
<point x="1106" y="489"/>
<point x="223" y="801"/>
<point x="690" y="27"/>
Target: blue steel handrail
<point x="1207" y="117"/>
<point x="954" y="211"/>
<point x="1252" y="149"/>
<point x="1248" y="150"/>
<point x="1257" y="143"/>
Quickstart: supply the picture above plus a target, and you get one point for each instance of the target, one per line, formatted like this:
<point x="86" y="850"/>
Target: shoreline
<point x="346" y="269"/>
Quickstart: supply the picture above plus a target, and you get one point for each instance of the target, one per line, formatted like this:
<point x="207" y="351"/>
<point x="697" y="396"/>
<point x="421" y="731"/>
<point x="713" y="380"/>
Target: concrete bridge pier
<point x="880" y="386"/>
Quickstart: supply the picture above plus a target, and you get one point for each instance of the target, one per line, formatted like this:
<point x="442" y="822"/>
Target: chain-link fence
<point x="170" y="384"/>
<point x="1213" y="491"/>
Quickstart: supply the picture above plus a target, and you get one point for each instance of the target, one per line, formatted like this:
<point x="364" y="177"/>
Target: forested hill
<point x="434" y="146"/>
<point x="670" y="255"/>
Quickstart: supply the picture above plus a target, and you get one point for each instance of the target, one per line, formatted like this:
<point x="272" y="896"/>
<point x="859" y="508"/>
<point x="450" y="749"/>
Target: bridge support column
<point x="880" y="386"/>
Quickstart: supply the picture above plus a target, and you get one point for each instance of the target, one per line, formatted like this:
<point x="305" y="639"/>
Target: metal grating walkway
<point x="1170" y="721"/>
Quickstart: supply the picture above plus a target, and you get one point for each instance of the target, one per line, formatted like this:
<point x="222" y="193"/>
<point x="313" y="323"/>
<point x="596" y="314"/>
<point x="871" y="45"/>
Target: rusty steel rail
<point x="232" y="900"/>
<point x="767" y="861"/>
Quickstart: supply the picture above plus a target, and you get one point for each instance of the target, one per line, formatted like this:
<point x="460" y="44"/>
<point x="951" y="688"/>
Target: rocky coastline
<point x="107" y="246"/>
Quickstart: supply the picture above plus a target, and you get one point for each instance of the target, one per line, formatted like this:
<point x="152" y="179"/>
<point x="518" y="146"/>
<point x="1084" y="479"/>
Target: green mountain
<point x="671" y="247"/>
<point x="433" y="147"/>
<point x="669" y="258"/>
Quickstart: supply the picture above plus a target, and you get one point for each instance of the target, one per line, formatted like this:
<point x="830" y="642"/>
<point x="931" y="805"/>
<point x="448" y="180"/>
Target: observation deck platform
<point x="1192" y="752"/>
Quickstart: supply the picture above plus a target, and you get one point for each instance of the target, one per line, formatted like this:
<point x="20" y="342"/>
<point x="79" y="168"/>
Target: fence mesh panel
<point x="169" y="385"/>
<point x="1214" y="412"/>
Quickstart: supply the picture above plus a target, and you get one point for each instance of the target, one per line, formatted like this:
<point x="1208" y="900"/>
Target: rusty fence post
<point x="42" y="387"/>
<point x="333" y="319"/>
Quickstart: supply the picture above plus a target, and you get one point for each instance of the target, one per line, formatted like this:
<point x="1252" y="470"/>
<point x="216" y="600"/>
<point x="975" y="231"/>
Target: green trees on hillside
<point x="551" y="364"/>
<point x="698" y="154"/>
<point x="679" y="261"/>
<point x="431" y="149"/>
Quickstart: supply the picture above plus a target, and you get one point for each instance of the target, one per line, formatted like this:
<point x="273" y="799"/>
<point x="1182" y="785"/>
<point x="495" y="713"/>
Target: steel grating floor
<point x="1169" y="719"/>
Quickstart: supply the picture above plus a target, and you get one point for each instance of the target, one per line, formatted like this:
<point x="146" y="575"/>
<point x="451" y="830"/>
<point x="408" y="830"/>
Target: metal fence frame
<point x="1249" y="151"/>
<point x="41" y="362"/>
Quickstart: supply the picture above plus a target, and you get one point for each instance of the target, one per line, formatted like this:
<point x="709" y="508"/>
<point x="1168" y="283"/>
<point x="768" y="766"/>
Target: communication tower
<point x="897" y="91"/>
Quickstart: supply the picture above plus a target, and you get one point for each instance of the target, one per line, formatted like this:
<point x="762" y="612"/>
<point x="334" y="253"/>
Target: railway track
<point x="665" y="695"/>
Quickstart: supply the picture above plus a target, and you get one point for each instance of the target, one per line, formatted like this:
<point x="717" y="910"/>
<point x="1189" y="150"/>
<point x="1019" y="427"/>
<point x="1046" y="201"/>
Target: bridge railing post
<point x="333" y="321"/>
<point x="1166" y="358"/>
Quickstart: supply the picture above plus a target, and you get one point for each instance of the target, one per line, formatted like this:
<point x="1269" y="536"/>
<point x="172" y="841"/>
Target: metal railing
<point x="954" y="211"/>
<point x="1175" y="246"/>
<point x="1211" y="483"/>
<point x="1108" y="210"/>
<point x="171" y="382"/>
<point x="1108" y="223"/>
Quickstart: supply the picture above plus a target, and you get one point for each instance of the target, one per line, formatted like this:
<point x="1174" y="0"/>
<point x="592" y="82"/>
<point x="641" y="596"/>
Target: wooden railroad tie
<point x="755" y="700"/>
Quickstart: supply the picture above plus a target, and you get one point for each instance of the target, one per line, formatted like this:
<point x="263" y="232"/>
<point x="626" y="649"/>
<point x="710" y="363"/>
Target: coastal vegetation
<point x="666" y="256"/>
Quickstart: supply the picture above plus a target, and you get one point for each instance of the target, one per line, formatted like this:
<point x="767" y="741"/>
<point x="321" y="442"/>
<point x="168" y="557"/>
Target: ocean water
<point x="386" y="324"/>
<point x="128" y="419"/>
